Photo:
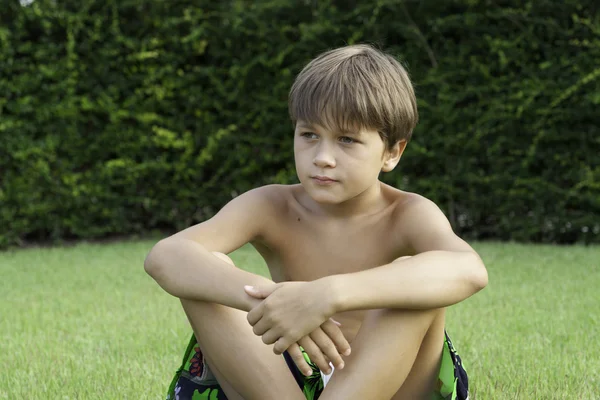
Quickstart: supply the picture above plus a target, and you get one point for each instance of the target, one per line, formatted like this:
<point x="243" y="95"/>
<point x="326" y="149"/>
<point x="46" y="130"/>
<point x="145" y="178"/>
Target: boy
<point x="382" y="262"/>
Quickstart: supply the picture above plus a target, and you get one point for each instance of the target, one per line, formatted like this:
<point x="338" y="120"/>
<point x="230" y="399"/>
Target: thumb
<point x="260" y="292"/>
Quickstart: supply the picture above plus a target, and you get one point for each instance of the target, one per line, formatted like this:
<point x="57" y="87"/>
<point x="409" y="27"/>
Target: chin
<point x="324" y="197"/>
<point x="327" y="200"/>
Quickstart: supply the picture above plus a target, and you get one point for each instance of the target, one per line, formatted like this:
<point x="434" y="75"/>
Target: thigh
<point x="231" y="393"/>
<point x="244" y="366"/>
<point x="423" y="376"/>
<point x="249" y="368"/>
<point x="383" y="354"/>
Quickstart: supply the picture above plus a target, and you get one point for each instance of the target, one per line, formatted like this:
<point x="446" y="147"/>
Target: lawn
<point x="86" y="322"/>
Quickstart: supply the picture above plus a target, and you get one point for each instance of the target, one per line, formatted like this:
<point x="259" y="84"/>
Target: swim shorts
<point x="195" y="381"/>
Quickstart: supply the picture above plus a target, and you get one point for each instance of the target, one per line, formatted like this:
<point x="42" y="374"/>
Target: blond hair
<point x="356" y="87"/>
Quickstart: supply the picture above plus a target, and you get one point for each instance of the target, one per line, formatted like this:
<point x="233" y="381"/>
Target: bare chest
<point x="306" y="250"/>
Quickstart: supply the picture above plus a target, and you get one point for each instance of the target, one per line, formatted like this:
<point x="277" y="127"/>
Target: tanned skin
<point x="358" y="268"/>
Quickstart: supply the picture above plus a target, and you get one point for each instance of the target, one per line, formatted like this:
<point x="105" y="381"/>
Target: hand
<point x="321" y="348"/>
<point x="289" y="311"/>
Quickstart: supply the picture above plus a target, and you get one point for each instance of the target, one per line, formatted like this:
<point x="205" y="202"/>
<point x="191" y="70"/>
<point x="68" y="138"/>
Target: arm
<point x="443" y="271"/>
<point x="184" y="266"/>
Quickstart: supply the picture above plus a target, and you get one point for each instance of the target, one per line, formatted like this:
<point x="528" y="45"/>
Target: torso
<point x="301" y="245"/>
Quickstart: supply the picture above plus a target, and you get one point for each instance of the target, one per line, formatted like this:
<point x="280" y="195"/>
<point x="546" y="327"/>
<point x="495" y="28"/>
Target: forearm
<point x="429" y="280"/>
<point x="187" y="270"/>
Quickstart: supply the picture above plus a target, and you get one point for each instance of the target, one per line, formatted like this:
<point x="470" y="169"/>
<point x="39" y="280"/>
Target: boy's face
<point x="335" y="166"/>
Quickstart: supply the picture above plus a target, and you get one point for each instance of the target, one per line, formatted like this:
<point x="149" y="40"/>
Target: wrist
<point x="334" y="293"/>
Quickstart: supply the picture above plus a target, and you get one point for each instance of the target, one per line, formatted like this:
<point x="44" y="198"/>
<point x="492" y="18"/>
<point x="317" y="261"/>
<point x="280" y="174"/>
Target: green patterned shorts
<point x="194" y="380"/>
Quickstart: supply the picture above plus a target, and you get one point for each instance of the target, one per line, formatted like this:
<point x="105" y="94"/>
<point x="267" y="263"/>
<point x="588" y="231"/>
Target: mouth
<point x="323" y="179"/>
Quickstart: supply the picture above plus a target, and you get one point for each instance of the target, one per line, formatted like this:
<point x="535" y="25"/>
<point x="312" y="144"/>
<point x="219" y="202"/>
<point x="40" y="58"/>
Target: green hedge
<point x="123" y="117"/>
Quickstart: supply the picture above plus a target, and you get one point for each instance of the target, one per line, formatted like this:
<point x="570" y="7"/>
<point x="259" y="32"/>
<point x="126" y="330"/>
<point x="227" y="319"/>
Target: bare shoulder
<point x="274" y="197"/>
<point x="423" y="226"/>
<point x="262" y="203"/>
<point x="282" y="198"/>
<point x="244" y="219"/>
<point x="405" y="203"/>
<point x="412" y="204"/>
<point x="264" y="194"/>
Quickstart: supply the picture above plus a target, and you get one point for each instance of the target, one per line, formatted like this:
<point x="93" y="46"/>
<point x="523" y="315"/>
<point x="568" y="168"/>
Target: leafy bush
<point x="125" y="117"/>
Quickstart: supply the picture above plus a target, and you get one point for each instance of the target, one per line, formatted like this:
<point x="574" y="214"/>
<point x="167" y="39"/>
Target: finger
<point x="298" y="358"/>
<point x="261" y="327"/>
<point x="254" y="292"/>
<point x="327" y="347"/>
<point x="335" y="322"/>
<point x="255" y="314"/>
<point x="282" y="345"/>
<point x="271" y="337"/>
<point x="315" y="354"/>
<point x="261" y="292"/>
<point x="338" y="338"/>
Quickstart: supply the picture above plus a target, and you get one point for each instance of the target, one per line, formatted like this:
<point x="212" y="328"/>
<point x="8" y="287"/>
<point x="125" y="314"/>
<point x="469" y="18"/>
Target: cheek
<point x="362" y="159"/>
<point x="296" y="148"/>
<point x="299" y="158"/>
<point x="367" y="169"/>
<point x="299" y="146"/>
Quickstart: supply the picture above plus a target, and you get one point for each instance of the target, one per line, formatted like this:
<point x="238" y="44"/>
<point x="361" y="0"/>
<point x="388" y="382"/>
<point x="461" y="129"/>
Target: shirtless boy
<point x="362" y="272"/>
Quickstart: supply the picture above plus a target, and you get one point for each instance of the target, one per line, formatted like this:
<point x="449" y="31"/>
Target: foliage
<point x="126" y="117"/>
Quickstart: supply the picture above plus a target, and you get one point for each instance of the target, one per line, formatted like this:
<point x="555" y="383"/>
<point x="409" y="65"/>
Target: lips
<point x="323" y="179"/>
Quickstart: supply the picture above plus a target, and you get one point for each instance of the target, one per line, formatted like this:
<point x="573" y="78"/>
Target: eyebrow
<point x="342" y="131"/>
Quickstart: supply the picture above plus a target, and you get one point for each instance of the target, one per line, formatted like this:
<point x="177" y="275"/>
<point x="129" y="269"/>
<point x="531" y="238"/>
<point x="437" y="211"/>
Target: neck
<point x="368" y="202"/>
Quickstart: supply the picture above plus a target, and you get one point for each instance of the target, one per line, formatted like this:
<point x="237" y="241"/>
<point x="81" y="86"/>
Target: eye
<point x="309" y="135"/>
<point x="347" y="140"/>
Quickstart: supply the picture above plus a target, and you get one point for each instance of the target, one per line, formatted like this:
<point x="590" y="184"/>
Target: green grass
<point x="85" y="322"/>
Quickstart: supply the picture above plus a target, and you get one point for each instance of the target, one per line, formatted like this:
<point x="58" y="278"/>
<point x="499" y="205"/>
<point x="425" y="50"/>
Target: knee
<point x="223" y="257"/>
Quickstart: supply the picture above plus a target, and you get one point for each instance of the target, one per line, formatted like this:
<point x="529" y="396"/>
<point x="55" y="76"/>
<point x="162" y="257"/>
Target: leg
<point x="244" y="366"/>
<point x="395" y="355"/>
<point x="423" y="377"/>
<point x="229" y="391"/>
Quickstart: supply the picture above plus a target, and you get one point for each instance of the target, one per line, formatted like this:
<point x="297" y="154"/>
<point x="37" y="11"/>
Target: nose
<point x="324" y="158"/>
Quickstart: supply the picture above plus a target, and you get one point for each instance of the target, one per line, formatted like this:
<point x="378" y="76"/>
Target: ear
<point x="392" y="156"/>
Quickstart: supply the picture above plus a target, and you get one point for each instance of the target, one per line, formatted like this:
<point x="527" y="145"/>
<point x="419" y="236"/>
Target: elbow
<point x="152" y="264"/>
<point x="479" y="277"/>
